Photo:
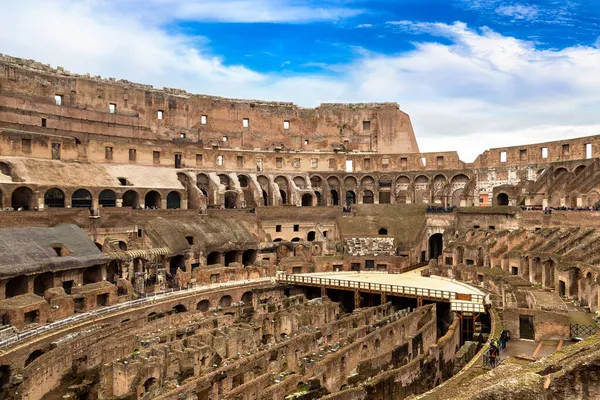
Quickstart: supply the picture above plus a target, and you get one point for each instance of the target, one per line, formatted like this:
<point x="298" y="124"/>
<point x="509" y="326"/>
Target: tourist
<point x="503" y="340"/>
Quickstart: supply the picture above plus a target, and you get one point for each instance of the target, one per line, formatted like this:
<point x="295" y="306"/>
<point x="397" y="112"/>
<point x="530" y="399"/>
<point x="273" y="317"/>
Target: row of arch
<point x="24" y="198"/>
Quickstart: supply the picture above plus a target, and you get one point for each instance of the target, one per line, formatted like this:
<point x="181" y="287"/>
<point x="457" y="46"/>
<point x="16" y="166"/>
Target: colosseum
<point x="157" y="244"/>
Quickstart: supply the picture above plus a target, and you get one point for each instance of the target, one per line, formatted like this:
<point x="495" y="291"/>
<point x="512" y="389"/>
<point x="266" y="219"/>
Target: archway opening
<point x="436" y="243"/>
<point x="382" y="231"/>
<point x="152" y="199"/>
<point x="203" y="306"/>
<point x="22" y="199"/>
<point x="265" y="198"/>
<point x="33" y="356"/>
<point x="319" y="199"/>
<point x="54" y="198"/>
<point x="230" y="257"/>
<point x="249" y="257"/>
<point x="243" y="180"/>
<point x="131" y="199"/>
<point x="502" y="199"/>
<point x="107" y="198"/>
<point x="213" y="258"/>
<point x="247" y="298"/>
<point x="350" y="198"/>
<point x="283" y="196"/>
<point x="150" y="385"/>
<point x="335" y="198"/>
<point x="173" y="200"/>
<point x="92" y="274"/>
<point x="175" y="263"/>
<point x="81" y="199"/>
<point x="225" y="301"/>
<point x="311" y="236"/>
<point x="17" y="286"/>
<point x="368" y="197"/>
<point x="307" y="200"/>
<point x="230" y="200"/>
<point x="179" y="308"/>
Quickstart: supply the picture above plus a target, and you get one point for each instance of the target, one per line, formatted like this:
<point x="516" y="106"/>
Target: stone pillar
<point x="356" y="299"/>
<point x="383" y="298"/>
<point x="184" y="204"/>
<point x="120" y="202"/>
<point x="40" y="202"/>
<point x="163" y="203"/>
<point x="222" y="258"/>
<point x="323" y="291"/>
<point x="3" y="290"/>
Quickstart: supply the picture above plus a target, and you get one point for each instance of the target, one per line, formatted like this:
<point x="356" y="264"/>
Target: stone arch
<point x="307" y="200"/>
<point x="54" y="198"/>
<point x="310" y="236"/>
<point x="230" y="257"/>
<point x="225" y="181"/>
<point x="436" y="245"/>
<point x="175" y="263"/>
<point x="319" y="199"/>
<point x="244" y="181"/>
<point x="579" y="169"/>
<point x="459" y="179"/>
<point x="247" y="297"/>
<point x="203" y="183"/>
<point x="152" y="199"/>
<point x="559" y="171"/>
<point x="335" y="197"/>
<point x="382" y="231"/>
<point x="316" y="182"/>
<point x="439" y="181"/>
<point x="81" y="198"/>
<point x="23" y="198"/>
<point x="231" y="199"/>
<point x="350" y="182"/>
<point x="17" y="286"/>
<point x="249" y="257"/>
<point x="300" y="182"/>
<point x="333" y="182"/>
<point x="179" y="308"/>
<point x="150" y="385"/>
<point x="173" y="200"/>
<point x="131" y="198"/>
<point x="225" y="301"/>
<point x="107" y="198"/>
<point x="368" y="197"/>
<point x="33" y="356"/>
<point x="502" y="199"/>
<point x="593" y="199"/>
<point x="203" y="306"/>
<point x="213" y="258"/>
<point x="367" y="180"/>
<point x="92" y="274"/>
<point x="385" y="181"/>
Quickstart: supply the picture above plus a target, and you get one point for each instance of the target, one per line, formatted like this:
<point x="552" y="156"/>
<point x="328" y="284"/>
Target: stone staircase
<point x="370" y="246"/>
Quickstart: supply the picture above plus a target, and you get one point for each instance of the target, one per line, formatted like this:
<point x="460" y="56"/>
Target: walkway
<point x="462" y="297"/>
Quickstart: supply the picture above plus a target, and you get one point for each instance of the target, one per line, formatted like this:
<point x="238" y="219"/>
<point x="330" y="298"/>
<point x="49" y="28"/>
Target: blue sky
<point x="473" y="74"/>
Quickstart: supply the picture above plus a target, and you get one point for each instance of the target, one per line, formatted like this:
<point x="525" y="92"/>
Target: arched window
<point x="173" y="200"/>
<point x="22" y="198"/>
<point x="81" y="198"/>
<point x="152" y="199"/>
<point x="107" y="198"/>
<point x="368" y="197"/>
<point x="311" y="236"/>
<point x="307" y="200"/>
<point x="54" y="198"/>
<point x="502" y="199"/>
<point x="350" y="198"/>
<point x="131" y="199"/>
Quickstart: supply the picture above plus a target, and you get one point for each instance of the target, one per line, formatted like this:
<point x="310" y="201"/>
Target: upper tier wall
<point x="28" y="90"/>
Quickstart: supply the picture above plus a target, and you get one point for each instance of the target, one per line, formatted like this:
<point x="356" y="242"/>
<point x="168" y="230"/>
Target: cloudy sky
<point x="473" y="74"/>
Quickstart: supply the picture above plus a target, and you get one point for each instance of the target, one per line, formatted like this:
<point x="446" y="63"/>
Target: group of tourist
<point x="440" y="209"/>
<point x="548" y="210"/>
<point x="496" y="346"/>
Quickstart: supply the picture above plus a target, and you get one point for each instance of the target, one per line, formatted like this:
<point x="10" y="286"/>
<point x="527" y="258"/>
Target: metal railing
<point x="578" y="330"/>
<point x="379" y="287"/>
<point x="149" y="298"/>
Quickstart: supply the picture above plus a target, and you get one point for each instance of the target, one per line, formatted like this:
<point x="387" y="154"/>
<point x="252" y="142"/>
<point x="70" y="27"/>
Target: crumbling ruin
<point x="160" y="244"/>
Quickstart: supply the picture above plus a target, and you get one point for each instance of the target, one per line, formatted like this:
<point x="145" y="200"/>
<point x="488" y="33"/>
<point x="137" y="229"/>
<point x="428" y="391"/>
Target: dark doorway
<point x="22" y="198"/>
<point x="307" y="200"/>
<point x="319" y="199"/>
<point x="436" y="242"/>
<point x="54" y="198"/>
<point x="177" y="160"/>
<point x="81" y="199"/>
<point x="368" y="197"/>
<point x="213" y="258"/>
<point x="152" y="199"/>
<point x="311" y="236"/>
<point x="335" y="198"/>
<point x="249" y="257"/>
<point x="177" y="262"/>
<point x="369" y="264"/>
<point x="526" y="330"/>
<point x="515" y="270"/>
<point x="502" y="199"/>
<point x="265" y="198"/>
<point x="562" y="289"/>
<point x="283" y="196"/>
<point x="230" y="200"/>
<point x="131" y="199"/>
<point x="230" y="257"/>
<point x="107" y="198"/>
<point x="173" y="201"/>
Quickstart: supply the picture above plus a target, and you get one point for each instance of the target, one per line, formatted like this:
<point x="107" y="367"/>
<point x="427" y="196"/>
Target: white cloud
<point x="364" y="26"/>
<point x="518" y="11"/>
<point x="280" y="11"/>
<point x="482" y="90"/>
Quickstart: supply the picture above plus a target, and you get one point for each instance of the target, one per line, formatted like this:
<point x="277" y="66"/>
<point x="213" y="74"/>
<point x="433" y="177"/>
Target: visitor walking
<point x="503" y="340"/>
